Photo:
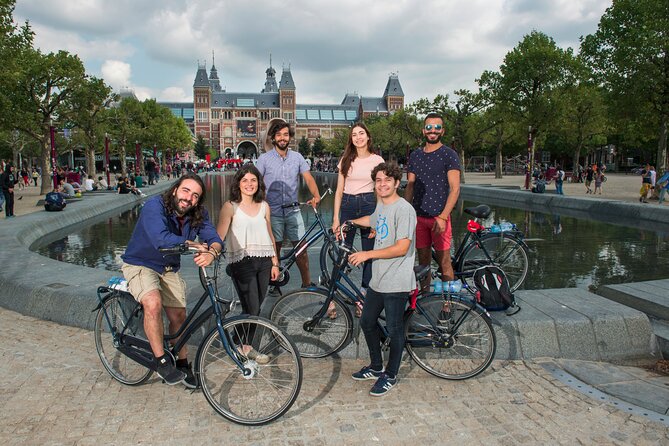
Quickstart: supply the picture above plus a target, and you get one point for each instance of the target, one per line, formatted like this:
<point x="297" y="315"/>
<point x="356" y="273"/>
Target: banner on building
<point x="246" y="128"/>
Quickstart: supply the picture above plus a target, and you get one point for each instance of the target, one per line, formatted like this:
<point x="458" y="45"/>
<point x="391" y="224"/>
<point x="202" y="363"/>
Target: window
<point x="241" y="102"/>
<point x="214" y="114"/>
<point x="288" y="116"/>
<point x="202" y="116"/>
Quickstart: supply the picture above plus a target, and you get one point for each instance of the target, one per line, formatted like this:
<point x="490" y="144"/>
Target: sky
<point x="332" y="47"/>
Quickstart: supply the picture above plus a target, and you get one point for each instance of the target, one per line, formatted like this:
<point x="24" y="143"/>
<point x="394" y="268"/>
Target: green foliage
<point x="201" y="148"/>
<point x="303" y="146"/>
<point x="318" y="147"/>
<point x="337" y="144"/>
<point x="629" y="54"/>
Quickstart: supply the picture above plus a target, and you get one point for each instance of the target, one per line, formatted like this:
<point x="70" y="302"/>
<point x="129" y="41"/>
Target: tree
<point x="527" y="83"/>
<point x="630" y="56"/>
<point x="42" y="96"/>
<point x="88" y="118"/>
<point x="201" y="148"/>
<point x="125" y="123"/>
<point x="318" y="147"/>
<point x="303" y="146"/>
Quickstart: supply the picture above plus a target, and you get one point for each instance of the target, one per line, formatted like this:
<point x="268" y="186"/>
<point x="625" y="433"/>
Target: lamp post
<point x="138" y="169"/>
<point x="52" y="137"/>
<point x="528" y="171"/>
<point x="107" y="159"/>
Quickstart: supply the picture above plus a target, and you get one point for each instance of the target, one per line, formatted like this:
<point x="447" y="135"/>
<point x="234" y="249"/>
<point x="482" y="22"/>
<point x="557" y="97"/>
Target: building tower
<point x="287" y="96"/>
<point x="270" y="80"/>
<point x="213" y="76"/>
<point x="201" y="102"/>
<point x="393" y="94"/>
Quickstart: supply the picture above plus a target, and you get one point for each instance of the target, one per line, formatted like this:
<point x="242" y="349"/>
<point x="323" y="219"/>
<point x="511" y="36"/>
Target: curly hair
<point x="350" y="152"/>
<point x="273" y="127"/>
<point x="391" y="169"/>
<point x="235" y="190"/>
<point x="197" y="212"/>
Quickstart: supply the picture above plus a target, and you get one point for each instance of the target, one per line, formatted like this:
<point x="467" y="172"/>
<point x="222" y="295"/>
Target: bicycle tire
<point x="327" y="259"/>
<point x="269" y="391"/>
<point x="329" y="336"/>
<point x="474" y="342"/>
<point x="506" y="252"/>
<point x="119" y="307"/>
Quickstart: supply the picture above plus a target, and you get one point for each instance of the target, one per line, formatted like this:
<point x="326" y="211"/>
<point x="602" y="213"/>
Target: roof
<point x="286" y="82"/>
<point x="325" y="114"/>
<point x="374" y="104"/>
<point x="352" y="100"/>
<point x="248" y="100"/>
<point x="201" y="78"/>
<point x="393" y="87"/>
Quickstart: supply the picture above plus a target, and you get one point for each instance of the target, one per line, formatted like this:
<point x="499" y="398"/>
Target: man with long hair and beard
<point x="175" y="217"/>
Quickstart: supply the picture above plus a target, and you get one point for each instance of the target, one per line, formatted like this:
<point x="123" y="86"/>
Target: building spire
<point x="213" y="60"/>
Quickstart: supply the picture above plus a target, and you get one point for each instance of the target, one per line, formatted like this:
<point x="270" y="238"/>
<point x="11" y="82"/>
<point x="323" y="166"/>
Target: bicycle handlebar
<point x="327" y="192"/>
<point x="180" y="249"/>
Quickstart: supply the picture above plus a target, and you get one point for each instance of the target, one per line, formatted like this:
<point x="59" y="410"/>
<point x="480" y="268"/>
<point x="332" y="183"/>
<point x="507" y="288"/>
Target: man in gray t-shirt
<point x="392" y="275"/>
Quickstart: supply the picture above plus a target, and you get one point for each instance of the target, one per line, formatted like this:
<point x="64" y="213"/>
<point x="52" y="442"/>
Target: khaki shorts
<point x="141" y="280"/>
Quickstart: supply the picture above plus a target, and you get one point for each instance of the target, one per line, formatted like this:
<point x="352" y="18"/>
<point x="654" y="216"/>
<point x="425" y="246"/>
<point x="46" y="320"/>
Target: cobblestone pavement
<point x="55" y="391"/>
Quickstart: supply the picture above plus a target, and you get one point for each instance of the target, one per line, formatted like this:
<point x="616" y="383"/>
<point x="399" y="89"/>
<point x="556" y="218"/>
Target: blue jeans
<point x="394" y="304"/>
<point x="356" y="206"/>
<point x="558" y="188"/>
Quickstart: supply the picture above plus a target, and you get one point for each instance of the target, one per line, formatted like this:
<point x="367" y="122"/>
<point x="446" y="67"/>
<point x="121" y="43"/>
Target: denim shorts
<point x="289" y="226"/>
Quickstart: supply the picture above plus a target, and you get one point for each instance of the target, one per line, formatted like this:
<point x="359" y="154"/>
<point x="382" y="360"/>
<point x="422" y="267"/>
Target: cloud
<point x="116" y="73"/>
<point x="332" y="47"/>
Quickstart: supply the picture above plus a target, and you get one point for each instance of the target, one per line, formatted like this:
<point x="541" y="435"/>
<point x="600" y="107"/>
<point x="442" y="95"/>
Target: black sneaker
<point x="168" y="372"/>
<point x="366" y="373"/>
<point x="191" y="380"/>
<point x="382" y="385"/>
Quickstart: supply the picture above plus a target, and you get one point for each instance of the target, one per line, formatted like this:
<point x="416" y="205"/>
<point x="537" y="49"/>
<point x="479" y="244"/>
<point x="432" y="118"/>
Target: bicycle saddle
<point x="421" y="271"/>
<point x="480" y="211"/>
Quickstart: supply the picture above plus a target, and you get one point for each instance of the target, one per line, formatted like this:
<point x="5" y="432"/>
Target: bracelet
<point x="275" y="266"/>
<point x="441" y="218"/>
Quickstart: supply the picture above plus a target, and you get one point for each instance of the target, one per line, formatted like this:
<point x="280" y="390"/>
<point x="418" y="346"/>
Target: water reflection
<point x="566" y="252"/>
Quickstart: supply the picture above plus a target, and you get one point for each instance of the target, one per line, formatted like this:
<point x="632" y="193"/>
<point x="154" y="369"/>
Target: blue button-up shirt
<point x="282" y="178"/>
<point x="156" y="229"/>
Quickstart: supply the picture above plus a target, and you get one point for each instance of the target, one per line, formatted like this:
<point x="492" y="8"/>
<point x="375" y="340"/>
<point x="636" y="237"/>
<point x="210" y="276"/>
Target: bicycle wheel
<point x="504" y="251"/>
<point x="460" y="347"/>
<point x="120" y="309"/>
<point x="268" y="390"/>
<point x="328" y="336"/>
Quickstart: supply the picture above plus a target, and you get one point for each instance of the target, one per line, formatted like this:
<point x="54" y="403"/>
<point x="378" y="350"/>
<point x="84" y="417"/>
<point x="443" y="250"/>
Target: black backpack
<point x="54" y="202"/>
<point x="493" y="291"/>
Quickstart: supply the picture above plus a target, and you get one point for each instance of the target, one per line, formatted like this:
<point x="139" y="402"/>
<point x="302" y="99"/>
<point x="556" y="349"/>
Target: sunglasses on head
<point x="429" y="127"/>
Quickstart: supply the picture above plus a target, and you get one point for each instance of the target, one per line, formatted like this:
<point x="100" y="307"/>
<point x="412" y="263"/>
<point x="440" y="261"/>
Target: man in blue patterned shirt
<point x="281" y="169"/>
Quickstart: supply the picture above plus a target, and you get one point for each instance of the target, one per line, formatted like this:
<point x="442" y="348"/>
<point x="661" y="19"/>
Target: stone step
<point x="651" y="297"/>
<point x="661" y="332"/>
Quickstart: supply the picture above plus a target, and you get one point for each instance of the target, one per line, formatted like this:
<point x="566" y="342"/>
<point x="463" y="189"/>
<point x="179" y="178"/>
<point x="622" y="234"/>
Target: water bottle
<point x="506" y="226"/>
<point x="453" y="286"/>
<point x="437" y="286"/>
<point x="495" y="228"/>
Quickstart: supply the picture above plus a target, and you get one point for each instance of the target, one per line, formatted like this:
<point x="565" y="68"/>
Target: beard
<point x="181" y="207"/>
<point x="282" y="145"/>
<point x="432" y="138"/>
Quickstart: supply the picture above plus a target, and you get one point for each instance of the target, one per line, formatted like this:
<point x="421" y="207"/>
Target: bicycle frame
<point x="137" y="348"/>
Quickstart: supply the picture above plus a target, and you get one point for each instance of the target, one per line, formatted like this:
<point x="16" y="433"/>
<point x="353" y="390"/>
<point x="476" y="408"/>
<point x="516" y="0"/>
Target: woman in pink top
<point x="354" y="197"/>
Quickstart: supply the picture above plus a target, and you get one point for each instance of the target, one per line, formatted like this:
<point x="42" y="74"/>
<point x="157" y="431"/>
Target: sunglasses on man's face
<point x="433" y="126"/>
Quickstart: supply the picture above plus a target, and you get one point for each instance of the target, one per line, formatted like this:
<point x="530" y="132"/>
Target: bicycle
<point x="480" y="247"/>
<point x="449" y="336"/>
<point x="318" y="229"/>
<point x="235" y="385"/>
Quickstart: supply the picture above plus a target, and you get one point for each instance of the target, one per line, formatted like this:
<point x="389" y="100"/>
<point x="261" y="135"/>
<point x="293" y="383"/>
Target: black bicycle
<point x="481" y="247"/>
<point x="238" y="385"/>
<point x="448" y="335"/>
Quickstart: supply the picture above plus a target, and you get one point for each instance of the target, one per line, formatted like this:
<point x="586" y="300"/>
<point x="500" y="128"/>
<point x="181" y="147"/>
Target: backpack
<point x="493" y="291"/>
<point x="54" y="202"/>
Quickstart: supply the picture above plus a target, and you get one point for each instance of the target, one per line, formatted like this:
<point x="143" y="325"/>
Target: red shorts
<point x="426" y="238"/>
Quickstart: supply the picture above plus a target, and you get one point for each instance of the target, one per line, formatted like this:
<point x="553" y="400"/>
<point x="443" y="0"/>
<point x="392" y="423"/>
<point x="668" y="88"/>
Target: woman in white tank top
<point x="244" y="224"/>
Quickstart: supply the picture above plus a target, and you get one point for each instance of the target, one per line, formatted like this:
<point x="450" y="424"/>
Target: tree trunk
<point x="462" y="164"/>
<point x="45" y="164"/>
<point x="124" y="168"/>
<point x="662" y="146"/>
<point x="576" y="159"/>
<point x="90" y="161"/>
<point x="498" y="159"/>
